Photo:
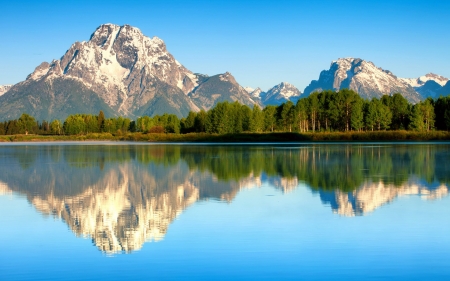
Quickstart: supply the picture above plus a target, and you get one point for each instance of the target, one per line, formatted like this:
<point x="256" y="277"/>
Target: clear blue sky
<point x="262" y="43"/>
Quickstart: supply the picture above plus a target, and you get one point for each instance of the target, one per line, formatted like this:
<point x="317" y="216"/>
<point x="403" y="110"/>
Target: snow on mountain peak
<point x="279" y="94"/>
<point x="418" y="82"/>
<point x="4" y="89"/>
<point x="249" y="89"/>
<point x="119" y="63"/>
<point x="363" y="77"/>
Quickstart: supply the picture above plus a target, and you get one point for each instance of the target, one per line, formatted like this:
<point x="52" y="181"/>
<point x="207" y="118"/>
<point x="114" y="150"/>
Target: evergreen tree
<point x="256" y="120"/>
<point x="416" y="118"/>
<point x="357" y="118"/>
<point x="270" y="118"/>
<point x="200" y="121"/>
<point x="100" y="121"/>
<point x="188" y="123"/>
<point x="286" y="116"/>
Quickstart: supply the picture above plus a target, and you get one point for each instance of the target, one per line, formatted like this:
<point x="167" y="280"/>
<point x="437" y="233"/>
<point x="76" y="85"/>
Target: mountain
<point x="429" y="89"/>
<point x="418" y="82"/>
<point x="219" y="88"/>
<point x="363" y="77"/>
<point x="4" y="89"/>
<point x="281" y="93"/>
<point x="277" y="95"/>
<point x="444" y="91"/>
<point x="428" y="85"/>
<point x="372" y="195"/>
<point x="249" y="89"/>
<point x="256" y="93"/>
<point x="119" y="71"/>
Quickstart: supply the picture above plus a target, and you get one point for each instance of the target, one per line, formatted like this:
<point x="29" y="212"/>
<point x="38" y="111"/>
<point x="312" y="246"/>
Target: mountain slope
<point x="364" y="78"/>
<point x="219" y="88"/>
<point x="119" y="67"/>
<point x="429" y="89"/>
<point x="444" y="91"/>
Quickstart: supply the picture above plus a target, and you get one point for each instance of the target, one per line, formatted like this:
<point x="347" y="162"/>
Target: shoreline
<point x="412" y="136"/>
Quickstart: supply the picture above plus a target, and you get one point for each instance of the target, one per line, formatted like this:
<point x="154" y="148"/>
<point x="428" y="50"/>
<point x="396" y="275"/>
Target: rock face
<point x="219" y="88"/>
<point x="4" y="89"/>
<point x="363" y="77"/>
<point x="119" y="71"/>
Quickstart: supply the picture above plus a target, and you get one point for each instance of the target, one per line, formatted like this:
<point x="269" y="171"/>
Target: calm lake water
<point x="117" y="211"/>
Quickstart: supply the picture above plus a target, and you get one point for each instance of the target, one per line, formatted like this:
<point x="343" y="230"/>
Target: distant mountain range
<point x="123" y="72"/>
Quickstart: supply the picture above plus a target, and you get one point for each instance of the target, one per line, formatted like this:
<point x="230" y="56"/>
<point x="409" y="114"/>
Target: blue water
<point x="167" y="212"/>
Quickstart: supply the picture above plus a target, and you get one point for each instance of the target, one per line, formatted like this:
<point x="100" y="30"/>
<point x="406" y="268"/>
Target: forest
<point x="327" y="111"/>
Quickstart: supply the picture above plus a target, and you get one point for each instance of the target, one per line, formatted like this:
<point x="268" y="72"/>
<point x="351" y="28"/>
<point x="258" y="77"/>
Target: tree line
<point x="329" y="110"/>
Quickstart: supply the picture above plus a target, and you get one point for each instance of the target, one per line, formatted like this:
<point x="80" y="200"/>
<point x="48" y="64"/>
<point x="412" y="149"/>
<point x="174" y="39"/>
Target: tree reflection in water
<point x="124" y="195"/>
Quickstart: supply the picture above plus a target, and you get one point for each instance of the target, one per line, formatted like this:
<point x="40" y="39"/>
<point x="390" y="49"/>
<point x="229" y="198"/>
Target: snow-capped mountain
<point x="281" y="93"/>
<point x="429" y="85"/>
<point x="363" y="77"/>
<point x="372" y="195"/>
<point x="256" y="93"/>
<point x="417" y="82"/>
<point x="118" y="70"/>
<point x="249" y="89"/>
<point x="4" y="89"/>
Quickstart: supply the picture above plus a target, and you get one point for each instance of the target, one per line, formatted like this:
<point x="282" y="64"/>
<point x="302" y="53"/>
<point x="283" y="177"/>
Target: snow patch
<point x="4" y="89"/>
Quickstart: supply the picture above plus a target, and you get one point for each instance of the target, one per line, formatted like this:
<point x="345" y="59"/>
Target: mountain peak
<point x="280" y="93"/>
<point x="4" y="89"/>
<point x="362" y="76"/>
<point x="418" y="82"/>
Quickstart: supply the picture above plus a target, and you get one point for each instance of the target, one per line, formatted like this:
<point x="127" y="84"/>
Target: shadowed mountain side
<point x="52" y="99"/>
<point x="220" y="88"/>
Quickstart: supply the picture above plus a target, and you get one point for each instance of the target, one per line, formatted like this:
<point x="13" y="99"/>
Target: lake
<point x="304" y="211"/>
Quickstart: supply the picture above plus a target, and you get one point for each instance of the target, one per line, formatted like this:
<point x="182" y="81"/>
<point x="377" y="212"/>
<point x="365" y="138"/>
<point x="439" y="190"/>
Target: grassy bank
<point x="244" y="137"/>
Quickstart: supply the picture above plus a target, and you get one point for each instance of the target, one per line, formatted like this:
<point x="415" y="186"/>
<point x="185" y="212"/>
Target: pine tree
<point x="101" y="121"/>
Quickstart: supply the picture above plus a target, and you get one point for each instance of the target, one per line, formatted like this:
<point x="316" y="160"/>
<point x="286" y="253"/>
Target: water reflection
<point x="124" y="195"/>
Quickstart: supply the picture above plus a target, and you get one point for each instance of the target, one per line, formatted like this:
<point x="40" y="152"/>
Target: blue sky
<point x="262" y="43"/>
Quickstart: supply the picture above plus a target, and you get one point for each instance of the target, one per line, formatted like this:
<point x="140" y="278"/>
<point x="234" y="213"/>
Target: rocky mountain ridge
<point x="363" y="77"/>
<point x="276" y="95"/>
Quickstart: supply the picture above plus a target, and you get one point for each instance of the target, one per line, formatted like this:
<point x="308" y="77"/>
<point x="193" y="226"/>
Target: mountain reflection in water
<point x="124" y="195"/>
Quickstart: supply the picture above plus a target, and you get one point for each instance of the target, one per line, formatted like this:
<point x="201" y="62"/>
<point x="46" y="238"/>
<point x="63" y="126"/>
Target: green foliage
<point x="56" y="127"/>
<point x="377" y="115"/>
<point x="27" y="124"/>
<point x="327" y="111"/>
<point x="256" y="120"/>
